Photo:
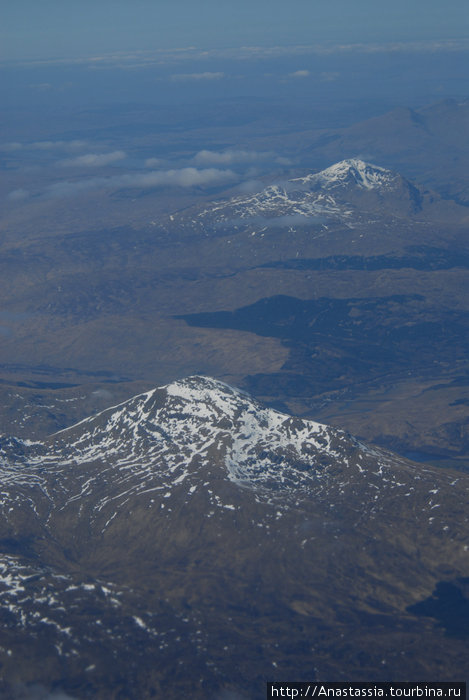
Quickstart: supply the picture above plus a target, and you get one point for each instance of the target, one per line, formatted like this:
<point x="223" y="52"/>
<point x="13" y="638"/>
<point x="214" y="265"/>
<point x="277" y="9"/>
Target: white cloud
<point x="75" y="145"/>
<point x="299" y="74"/>
<point x="143" y="59"/>
<point x="41" y="86"/>
<point x="11" y="146"/>
<point x="18" y="195"/>
<point x="227" y="157"/>
<point x="93" y="160"/>
<point x="153" y="162"/>
<point x="183" y="177"/>
<point x="198" y="76"/>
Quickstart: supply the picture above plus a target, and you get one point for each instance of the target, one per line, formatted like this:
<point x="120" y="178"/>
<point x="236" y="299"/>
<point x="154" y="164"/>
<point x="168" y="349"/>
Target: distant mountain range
<point x="338" y="295"/>
<point x="190" y="540"/>
<point x="430" y="145"/>
<point x="345" y="191"/>
<point x="196" y="540"/>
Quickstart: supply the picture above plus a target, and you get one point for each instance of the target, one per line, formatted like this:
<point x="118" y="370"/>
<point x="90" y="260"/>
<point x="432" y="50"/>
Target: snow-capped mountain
<point x="162" y="440"/>
<point x="341" y="192"/>
<point x="190" y="522"/>
<point x="353" y="172"/>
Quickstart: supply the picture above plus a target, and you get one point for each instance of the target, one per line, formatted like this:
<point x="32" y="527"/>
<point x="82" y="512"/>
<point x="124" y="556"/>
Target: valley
<point x="234" y="396"/>
<point x="341" y="287"/>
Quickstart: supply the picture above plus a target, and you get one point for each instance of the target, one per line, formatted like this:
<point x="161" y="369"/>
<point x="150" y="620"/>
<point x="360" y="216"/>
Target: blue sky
<point x="54" y="28"/>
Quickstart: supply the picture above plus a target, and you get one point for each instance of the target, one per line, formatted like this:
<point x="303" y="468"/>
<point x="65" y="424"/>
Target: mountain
<point x="342" y="192"/>
<point x="337" y="295"/>
<point x="429" y="144"/>
<point x="190" y="540"/>
<point x="354" y="172"/>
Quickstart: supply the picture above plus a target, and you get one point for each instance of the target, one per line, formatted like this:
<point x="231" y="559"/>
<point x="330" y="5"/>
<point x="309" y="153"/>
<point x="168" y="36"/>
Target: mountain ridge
<point x="191" y="522"/>
<point x="165" y="439"/>
<point x="327" y="193"/>
<point x="352" y="171"/>
<point x="111" y="288"/>
<point x="428" y="144"/>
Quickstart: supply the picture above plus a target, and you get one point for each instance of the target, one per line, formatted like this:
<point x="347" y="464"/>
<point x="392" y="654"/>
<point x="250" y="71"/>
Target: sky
<point x="66" y="28"/>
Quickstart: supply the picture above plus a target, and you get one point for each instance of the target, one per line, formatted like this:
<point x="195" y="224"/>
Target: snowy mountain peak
<point x="197" y="389"/>
<point x="167" y="439"/>
<point x="199" y="444"/>
<point x="352" y="171"/>
<point x="181" y="424"/>
<point x="342" y="192"/>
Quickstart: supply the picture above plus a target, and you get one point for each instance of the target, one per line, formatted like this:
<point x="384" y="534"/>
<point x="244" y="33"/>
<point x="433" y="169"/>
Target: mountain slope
<point x="354" y="172"/>
<point x="163" y="438"/>
<point x="359" y="257"/>
<point x="428" y="144"/>
<point x="190" y="525"/>
<point x="326" y="195"/>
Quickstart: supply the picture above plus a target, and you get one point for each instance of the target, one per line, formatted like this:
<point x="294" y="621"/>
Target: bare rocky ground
<point x="353" y="311"/>
<point x="192" y="541"/>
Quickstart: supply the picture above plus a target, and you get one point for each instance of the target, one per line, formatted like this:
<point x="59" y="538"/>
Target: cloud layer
<point x="146" y="58"/>
<point x="182" y="177"/>
<point x="198" y="76"/>
<point x="93" y="160"/>
<point x="75" y="145"/>
<point x="299" y="74"/>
